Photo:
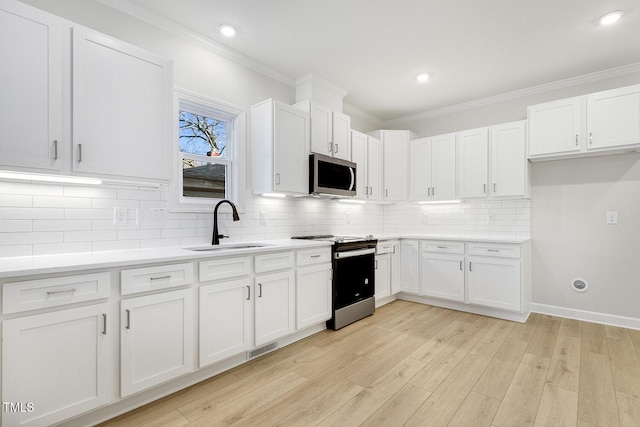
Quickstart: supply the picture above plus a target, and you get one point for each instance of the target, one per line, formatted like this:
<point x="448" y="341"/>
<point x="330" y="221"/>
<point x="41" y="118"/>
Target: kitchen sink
<point x="229" y="247"/>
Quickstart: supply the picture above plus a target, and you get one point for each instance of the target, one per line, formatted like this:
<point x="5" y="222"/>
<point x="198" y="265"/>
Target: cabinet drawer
<point x="387" y="247"/>
<point x="504" y="250"/>
<point x="313" y="256"/>
<point x="224" y="268"/>
<point x="154" y="278"/>
<point x="54" y="291"/>
<point x="442" y="246"/>
<point x="274" y="261"/>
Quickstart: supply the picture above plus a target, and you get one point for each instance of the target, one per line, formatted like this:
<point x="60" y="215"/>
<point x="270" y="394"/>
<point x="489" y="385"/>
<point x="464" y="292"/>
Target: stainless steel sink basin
<point x="229" y="247"/>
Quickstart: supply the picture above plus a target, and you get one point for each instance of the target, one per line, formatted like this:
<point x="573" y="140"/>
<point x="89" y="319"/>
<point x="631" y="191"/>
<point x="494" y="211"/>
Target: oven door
<point x="353" y="277"/>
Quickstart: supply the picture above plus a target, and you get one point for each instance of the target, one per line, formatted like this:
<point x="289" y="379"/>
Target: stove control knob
<point x="366" y="281"/>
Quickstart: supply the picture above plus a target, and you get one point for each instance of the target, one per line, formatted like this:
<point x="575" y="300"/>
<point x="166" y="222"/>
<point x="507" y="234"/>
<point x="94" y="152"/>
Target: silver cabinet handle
<point x="493" y="250"/>
<point x="429" y="191"/>
<point x="484" y="188"/>
<point x="433" y="191"/>
<point x="330" y="148"/>
<point x="336" y="147"/>
<point x="576" y="139"/>
<point x="376" y="265"/>
<point x="443" y="247"/>
<point x="259" y="290"/>
<point x="104" y="327"/>
<point x="315" y="256"/>
<point x="590" y="138"/>
<point x="277" y="179"/>
<point x="394" y="249"/>
<point x="470" y="266"/>
<point x="460" y="265"/>
<point x="248" y="293"/>
<point x="55" y="149"/>
<point x="160" y="277"/>
<point x="386" y="192"/>
<point x="79" y="153"/>
<point x="128" y="325"/>
<point x="62" y="291"/>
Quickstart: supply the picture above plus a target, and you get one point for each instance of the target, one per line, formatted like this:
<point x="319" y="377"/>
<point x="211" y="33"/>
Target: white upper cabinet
<point x="509" y="166"/>
<point x="366" y="152"/>
<point x="122" y="108"/>
<point x="613" y="118"/>
<point x="473" y="159"/>
<point x="330" y="130"/>
<point x="555" y="127"/>
<point x="395" y="147"/>
<point x="30" y="88"/>
<point x="432" y="168"/>
<point x="280" y="139"/>
<point x="601" y="122"/>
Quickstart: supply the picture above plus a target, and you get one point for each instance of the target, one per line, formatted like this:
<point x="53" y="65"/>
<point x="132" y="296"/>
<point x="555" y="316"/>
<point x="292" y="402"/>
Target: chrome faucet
<point x="236" y="217"/>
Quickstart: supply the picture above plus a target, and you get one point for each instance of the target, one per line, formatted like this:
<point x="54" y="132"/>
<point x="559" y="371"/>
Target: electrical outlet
<point x="120" y="217"/>
<point x="612" y="218"/>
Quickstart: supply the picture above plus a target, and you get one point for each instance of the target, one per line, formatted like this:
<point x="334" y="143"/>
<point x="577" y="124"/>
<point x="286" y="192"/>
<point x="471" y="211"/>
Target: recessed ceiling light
<point x="611" y="17"/>
<point x="227" y="30"/>
<point x="422" y="77"/>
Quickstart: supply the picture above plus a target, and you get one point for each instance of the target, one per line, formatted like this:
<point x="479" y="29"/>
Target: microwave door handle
<point x="353" y="179"/>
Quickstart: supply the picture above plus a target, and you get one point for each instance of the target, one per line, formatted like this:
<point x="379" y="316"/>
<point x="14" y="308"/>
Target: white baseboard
<point x="587" y="316"/>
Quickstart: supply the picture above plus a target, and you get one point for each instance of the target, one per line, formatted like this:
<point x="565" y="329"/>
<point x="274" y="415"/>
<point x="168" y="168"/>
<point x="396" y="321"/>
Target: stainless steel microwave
<point x="331" y="176"/>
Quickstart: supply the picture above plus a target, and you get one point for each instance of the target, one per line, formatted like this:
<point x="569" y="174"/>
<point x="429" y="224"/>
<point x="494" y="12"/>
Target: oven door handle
<point x="350" y="254"/>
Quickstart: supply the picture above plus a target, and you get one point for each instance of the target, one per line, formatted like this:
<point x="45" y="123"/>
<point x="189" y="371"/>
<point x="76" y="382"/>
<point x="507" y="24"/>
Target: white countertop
<point x="450" y="237"/>
<point x="45" y="264"/>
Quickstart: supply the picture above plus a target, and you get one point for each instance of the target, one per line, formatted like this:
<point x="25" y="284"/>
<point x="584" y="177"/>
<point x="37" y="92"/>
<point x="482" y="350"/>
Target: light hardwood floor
<point x="417" y="365"/>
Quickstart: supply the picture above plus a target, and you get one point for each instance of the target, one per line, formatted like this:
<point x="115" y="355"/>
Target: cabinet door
<point x="122" y="108"/>
<point x="313" y="295"/>
<point x="341" y="131"/>
<point x="442" y="276"/>
<point x="614" y="118"/>
<point x="383" y="276"/>
<point x="410" y="272"/>
<point x="226" y="314"/>
<point x="395" y="267"/>
<point x="443" y="167"/>
<point x="420" y="169"/>
<point x="555" y="127"/>
<point x="508" y="161"/>
<point x="359" y="157"/>
<point x="274" y="306"/>
<point x="321" y="130"/>
<point x="473" y="156"/>
<point x="156" y="339"/>
<point x="494" y="282"/>
<point x="30" y="84"/>
<point x="395" y="147"/>
<point x="291" y="149"/>
<point x="57" y="361"/>
<point x="374" y="170"/>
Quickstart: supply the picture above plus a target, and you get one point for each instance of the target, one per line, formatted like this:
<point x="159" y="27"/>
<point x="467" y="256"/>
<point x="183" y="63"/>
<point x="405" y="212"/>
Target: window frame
<point x="234" y="158"/>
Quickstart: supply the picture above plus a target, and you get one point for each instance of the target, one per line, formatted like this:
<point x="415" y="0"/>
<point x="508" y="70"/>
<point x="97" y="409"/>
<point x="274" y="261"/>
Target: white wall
<point x="570" y="199"/>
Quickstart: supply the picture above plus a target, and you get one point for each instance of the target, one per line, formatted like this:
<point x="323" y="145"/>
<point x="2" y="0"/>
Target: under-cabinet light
<point x="280" y="195"/>
<point x="355" y="201"/>
<point x="439" y="202"/>
<point x="40" y="177"/>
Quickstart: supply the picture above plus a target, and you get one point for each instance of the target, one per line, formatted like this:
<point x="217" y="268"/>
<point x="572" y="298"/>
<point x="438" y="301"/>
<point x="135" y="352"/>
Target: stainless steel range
<point x="353" y="259"/>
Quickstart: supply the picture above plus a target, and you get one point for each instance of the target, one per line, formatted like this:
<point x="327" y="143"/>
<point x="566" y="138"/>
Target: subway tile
<point x="61" y="202"/>
<point x="89" y="236"/>
<point x="61" y="225"/>
<point x="15" y="200"/>
<point x="16" y="226"/>
<point x="61" y="248"/>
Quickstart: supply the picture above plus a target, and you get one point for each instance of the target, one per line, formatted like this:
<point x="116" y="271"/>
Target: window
<point x="206" y="152"/>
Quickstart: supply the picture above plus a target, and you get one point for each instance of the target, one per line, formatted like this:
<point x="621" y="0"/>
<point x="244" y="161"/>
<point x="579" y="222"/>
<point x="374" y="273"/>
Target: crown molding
<point x="352" y="111"/>
<point x="196" y="38"/>
<point x="521" y="93"/>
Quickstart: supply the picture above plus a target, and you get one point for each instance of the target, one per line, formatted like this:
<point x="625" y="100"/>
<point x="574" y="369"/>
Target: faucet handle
<point x="222" y="236"/>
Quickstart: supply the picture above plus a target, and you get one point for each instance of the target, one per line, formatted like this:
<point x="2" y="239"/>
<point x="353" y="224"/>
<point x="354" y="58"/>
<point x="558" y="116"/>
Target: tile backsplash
<point x="39" y="219"/>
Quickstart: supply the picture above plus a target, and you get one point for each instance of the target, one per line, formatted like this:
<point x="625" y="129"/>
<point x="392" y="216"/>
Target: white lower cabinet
<point x="494" y="282"/>
<point x="56" y="365"/>
<point x="274" y="306"/>
<point x="410" y="268"/>
<point x="313" y="295"/>
<point x="383" y="276"/>
<point x="442" y="275"/>
<point x="156" y="339"/>
<point x="226" y="314"/>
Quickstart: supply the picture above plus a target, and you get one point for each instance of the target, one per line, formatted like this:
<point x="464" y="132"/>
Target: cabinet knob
<point x="576" y="139"/>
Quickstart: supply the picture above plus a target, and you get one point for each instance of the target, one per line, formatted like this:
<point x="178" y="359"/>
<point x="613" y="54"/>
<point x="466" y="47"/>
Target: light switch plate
<point x="120" y="217"/>
<point x="612" y="218"/>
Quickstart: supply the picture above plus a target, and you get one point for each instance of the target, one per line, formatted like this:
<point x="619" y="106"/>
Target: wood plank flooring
<point x="418" y="365"/>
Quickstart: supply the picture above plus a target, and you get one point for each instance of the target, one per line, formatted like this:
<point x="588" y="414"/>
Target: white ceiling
<point x="374" y="49"/>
